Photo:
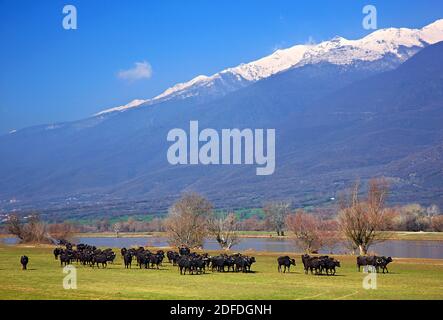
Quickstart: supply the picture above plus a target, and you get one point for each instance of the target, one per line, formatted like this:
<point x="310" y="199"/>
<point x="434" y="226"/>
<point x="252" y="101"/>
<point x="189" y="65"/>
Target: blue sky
<point x="49" y="74"/>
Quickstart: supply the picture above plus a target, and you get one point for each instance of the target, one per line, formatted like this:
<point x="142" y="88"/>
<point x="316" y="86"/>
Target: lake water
<point x="394" y="248"/>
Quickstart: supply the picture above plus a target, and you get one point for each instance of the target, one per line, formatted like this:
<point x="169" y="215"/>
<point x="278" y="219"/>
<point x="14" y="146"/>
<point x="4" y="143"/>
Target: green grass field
<point x="409" y="279"/>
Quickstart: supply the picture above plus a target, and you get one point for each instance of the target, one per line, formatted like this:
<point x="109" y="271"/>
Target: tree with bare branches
<point x="15" y="226"/>
<point x="186" y="224"/>
<point x="276" y="213"/>
<point x="223" y="227"/>
<point x="307" y="230"/>
<point x="362" y="221"/>
<point x="437" y="223"/>
<point x="61" y="231"/>
<point x="33" y="231"/>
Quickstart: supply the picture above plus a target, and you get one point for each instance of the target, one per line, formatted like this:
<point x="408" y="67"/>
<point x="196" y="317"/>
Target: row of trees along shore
<point x="359" y="222"/>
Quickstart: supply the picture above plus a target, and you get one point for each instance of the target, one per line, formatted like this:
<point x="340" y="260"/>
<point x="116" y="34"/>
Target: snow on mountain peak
<point x="132" y="104"/>
<point x="433" y="33"/>
<point x="338" y="50"/>
<point x="278" y="61"/>
<point x="182" y="86"/>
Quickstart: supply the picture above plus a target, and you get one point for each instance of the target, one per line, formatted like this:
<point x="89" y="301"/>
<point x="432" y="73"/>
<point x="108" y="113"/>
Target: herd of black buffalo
<point x="195" y="263"/>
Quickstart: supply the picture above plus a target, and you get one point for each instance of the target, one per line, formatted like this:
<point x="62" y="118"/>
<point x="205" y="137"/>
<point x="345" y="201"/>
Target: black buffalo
<point x="100" y="259"/>
<point x="24" y="261"/>
<point x="66" y="258"/>
<point x="57" y="252"/>
<point x="184" y="264"/>
<point x="173" y="257"/>
<point x="319" y="264"/>
<point x="364" y="261"/>
<point x="286" y="262"/>
<point x="143" y="260"/>
<point x="330" y="265"/>
<point x="244" y="263"/>
<point x="156" y="260"/>
<point x="382" y="262"/>
<point x="375" y="262"/>
<point x="192" y="263"/>
<point x="127" y="258"/>
<point x="184" y="251"/>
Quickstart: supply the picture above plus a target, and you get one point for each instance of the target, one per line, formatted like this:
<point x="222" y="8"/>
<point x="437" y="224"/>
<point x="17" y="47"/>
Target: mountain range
<point x="342" y="109"/>
<point x="392" y="46"/>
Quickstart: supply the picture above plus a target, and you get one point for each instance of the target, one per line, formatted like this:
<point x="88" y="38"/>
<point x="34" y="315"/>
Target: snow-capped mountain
<point x="394" y="44"/>
<point x="334" y="123"/>
<point x="132" y="104"/>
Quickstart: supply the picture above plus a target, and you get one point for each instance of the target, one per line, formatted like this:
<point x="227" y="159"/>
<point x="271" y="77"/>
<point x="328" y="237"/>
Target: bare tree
<point x="437" y="223"/>
<point x="15" y="227"/>
<point x="276" y="213"/>
<point x="103" y="225"/>
<point x="362" y="221"/>
<point x="60" y="231"/>
<point x="33" y="230"/>
<point x="307" y="230"/>
<point x="252" y="224"/>
<point x="157" y="224"/>
<point x="186" y="223"/>
<point x="433" y="210"/>
<point x="223" y="228"/>
<point x="414" y="217"/>
<point x="117" y="227"/>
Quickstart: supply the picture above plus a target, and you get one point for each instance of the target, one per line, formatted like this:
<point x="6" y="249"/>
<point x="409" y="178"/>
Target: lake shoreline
<point x="412" y="236"/>
<point x="395" y="235"/>
<point x="404" y="248"/>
